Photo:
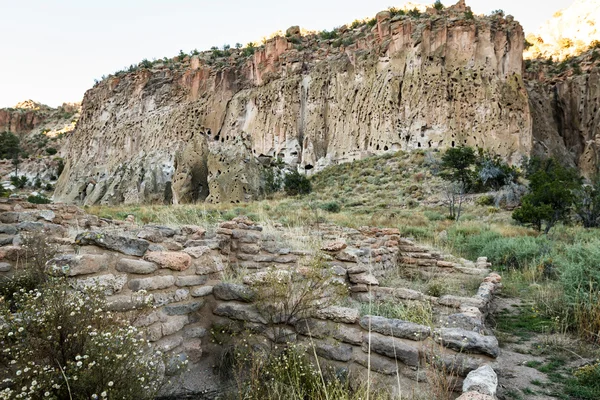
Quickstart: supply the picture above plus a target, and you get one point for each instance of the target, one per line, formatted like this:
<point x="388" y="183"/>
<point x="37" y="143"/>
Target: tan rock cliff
<point x="193" y="129"/>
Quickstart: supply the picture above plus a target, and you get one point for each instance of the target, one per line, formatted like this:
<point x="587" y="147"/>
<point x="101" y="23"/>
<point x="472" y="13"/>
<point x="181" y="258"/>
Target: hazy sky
<point x="52" y="50"/>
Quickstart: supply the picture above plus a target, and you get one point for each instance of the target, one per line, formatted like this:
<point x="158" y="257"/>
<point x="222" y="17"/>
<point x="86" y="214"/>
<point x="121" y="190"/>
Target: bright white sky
<point x="52" y="50"/>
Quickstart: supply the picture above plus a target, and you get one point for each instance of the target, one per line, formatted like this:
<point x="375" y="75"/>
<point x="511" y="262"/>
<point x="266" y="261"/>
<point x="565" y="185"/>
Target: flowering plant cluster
<point x="60" y="343"/>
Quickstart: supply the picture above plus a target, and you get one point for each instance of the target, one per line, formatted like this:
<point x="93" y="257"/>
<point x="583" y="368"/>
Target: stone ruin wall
<point x="179" y="271"/>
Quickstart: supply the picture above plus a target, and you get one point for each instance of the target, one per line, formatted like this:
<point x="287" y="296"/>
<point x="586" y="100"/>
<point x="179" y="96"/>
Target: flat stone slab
<point x="395" y="327"/>
<point x="467" y="341"/>
<point x="122" y="244"/>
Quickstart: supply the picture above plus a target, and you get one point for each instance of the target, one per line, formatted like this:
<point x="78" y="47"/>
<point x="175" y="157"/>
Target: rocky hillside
<point x="568" y="33"/>
<point x="42" y="133"/>
<point x="200" y="127"/>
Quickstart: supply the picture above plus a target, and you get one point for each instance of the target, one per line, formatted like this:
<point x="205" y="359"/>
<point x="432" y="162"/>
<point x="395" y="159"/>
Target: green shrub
<point x="551" y="196"/>
<point x="586" y="384"/>
<point x="272" y="180"/>
<point x="486" y="200"/>
<point x="51" y="151"/>
<point x="18" y="181"/>
<point x="295" y="184"/>
<point x="372" y="22"/>
<point x="396" y="11"/>
<point x="331" y="207"/>
<point x="438" y="5"/>
<point x="469" y="15"/>
<point x="328" y="35"/>
<point x="38" y="199"/>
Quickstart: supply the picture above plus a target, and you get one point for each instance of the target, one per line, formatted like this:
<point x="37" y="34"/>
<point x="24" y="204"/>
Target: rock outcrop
<point x="198" y="128"/>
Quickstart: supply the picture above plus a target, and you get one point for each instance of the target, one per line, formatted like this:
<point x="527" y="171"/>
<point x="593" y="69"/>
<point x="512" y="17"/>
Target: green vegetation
<point x="18" y="181"/>
<point x="328" y="35"/>
<point x="295" y="184"/>
<point x="551" y="194"/>
<point x="438" y="5"/>
<point x="38" y="199"/>
<point x="10" y="149"/>
<point x="469" y="15"/>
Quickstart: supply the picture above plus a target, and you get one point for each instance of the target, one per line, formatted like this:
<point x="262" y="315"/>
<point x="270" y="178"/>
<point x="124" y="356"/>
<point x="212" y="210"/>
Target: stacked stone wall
<point x="179" y="273"/>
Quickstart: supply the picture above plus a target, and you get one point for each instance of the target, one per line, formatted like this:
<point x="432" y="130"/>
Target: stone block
<point x="8" y="229"/>
<point x="172" y="260"/>
<point x="364" y="278"/>
<point x="392" y="348"/>
<point x="347" y="334"/>
<point x="201" y="291"/>
<point x="74" y="265"/>
<point x="197" y="251"/>
<point x="109" y="283"/>
<point x="183" y="309"/>
<point x="191" y="280"/>
<point x="240" y="312"/>
<point x="483" y="380"/>
<point x="465" y="341"/>
<point x="194" y="332"/>
<point x="122" y="244"/>
<point x="160" y="299"/>
<point x="168" y="343"/>
<point x="127" y="302"/>
<point x="153" y="283"/>
<point x="232" y="291"/>
<point x="339" y="314"/>
<point x="395" y="327"/>
<point x="333" y="351"/>
<point x="136" y="266"/>
<point x="5" y="267"/>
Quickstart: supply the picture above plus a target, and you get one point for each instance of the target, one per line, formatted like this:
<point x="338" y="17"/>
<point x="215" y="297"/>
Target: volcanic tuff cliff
<point x="198" y="128"/>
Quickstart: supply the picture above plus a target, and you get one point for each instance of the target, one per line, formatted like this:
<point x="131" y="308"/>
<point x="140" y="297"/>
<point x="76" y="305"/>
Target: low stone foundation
<point x="179" y="272"/>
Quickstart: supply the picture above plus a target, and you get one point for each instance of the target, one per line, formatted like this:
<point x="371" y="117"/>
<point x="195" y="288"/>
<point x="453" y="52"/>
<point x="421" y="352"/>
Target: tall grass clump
<point x="579" y="277"/>
<point x="506" y="252"/>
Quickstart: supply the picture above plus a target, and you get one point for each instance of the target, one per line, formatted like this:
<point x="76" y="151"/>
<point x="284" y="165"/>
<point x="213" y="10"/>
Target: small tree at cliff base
<point x="551" y="194"/>
<point x="457" y="165"/>
<point x="296" y="184"/>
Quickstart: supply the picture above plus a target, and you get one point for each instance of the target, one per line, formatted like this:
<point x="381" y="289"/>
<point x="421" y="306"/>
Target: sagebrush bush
<point x="63" y="344"/>
<point x="332" y="207"/>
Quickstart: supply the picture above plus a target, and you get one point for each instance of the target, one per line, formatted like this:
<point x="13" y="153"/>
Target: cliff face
<point x="198" y="128"/>
<point x="566" y="115"/>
